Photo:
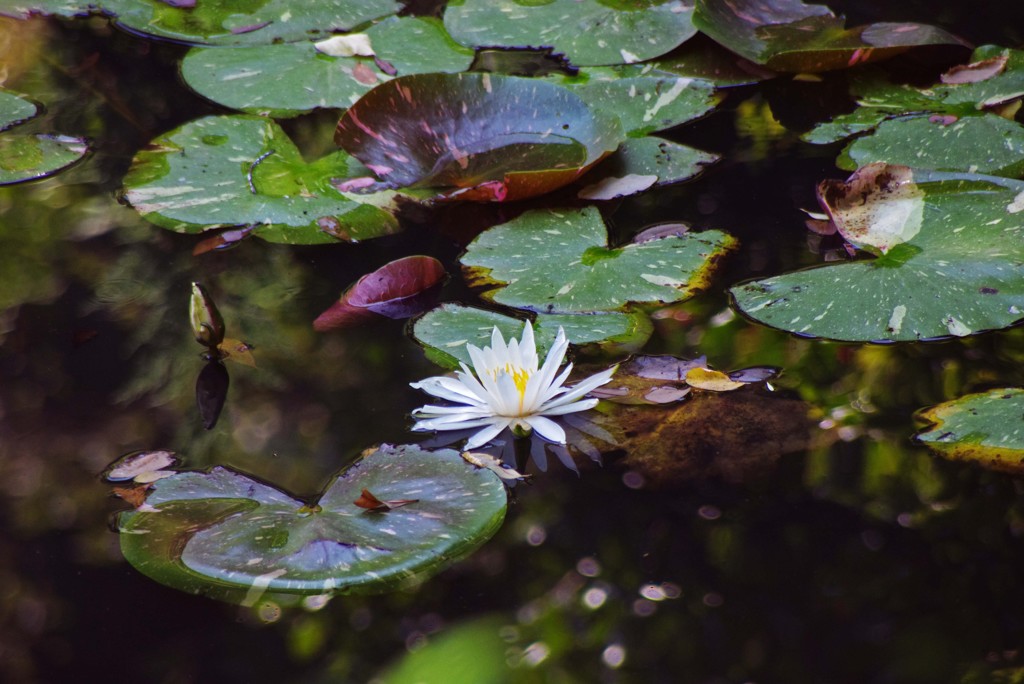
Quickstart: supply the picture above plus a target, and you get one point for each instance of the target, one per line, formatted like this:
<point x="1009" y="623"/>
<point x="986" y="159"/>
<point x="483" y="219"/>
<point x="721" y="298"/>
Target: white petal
<point x="539" y="391"/>
<point x="548" y="429"/>
<point x="487" y="434"/>
<point x="447" y="388"/>
<point x="441" y="424"/>
<point x="578" y="390"/>
<point x="467" y="378"/>
<point x="431" y="410"/>
<point x="571" y="407"/>
<point x="507" y="396"/>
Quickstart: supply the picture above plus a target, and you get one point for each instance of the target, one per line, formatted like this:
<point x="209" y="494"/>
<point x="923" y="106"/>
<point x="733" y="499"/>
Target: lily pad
<point x="26" y="157"/>
<point x="956" y="272"/>
<point x="225" y="171"/>
<point x="291" y="78"/>
<point x="15" y="109"/>
<point x="398" y="289"/>
<point x="643" y="163"/>
<point x="923" y="127"/>
<point x="494" y="137"/>
<point x="247" y="22"/>
<point x="588" y="32"/>
<point x="986" y="144"/>
<point x="645" y="100"/>
<point x="789" y="35"/>
<point x="260" y="539"/>
<point x="559" y="261"/>
<point x="985" y="428"/>
<point x="444" y="332"/>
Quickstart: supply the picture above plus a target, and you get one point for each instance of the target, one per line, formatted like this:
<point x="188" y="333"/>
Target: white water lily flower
<point x="506" y="389"/>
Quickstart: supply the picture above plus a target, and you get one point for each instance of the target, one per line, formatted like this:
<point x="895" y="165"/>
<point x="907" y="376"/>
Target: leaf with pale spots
<point x="792" y="36"/>
<point x="588" y="32"/>
<point x="642" y="163"/>
<point x="559" y="261"/>
<point x="957" y="275"/>
<point x="955" y="125"/>
<point x="288" y="79"/>
<point x="221" y="23"/>
<point x="444" y="332"/>
<point x="476" y="136"/>
<point x="645" y="100"/>
<point x="985" y="428"/>
<point x="228" y="171"/>
<point x="243" y="538"/>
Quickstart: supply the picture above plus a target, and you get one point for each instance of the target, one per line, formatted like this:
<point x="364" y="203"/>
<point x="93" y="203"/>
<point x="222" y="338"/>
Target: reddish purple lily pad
<point x="398" y="289"/>
<point x="789" y="35"/>
<point x="483" y="137"/>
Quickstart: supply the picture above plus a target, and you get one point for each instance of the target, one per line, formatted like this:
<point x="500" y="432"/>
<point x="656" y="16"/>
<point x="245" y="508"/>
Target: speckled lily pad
<point x="251" y="537"/>
<point x="951" y="264"/>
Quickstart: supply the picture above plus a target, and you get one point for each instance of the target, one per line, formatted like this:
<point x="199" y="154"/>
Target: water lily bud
<point x="207" y="324"/>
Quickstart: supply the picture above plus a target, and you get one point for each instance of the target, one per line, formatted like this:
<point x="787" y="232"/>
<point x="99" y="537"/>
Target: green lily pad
<point x="985" y="428"/>
<point x="987" y="144"/>
<point x="222" y="171"/>
<point x="588" y="32"/>
<point x="645" y="100"/>
<point x="253" y="537"/>
<point x="14" y="109"/>
<point x="788" y="35"/>
<point x="951" y="266"/>
<point x="291" y="78"/>
<point x="559" y="261"/>
<point x="707" y="60"/>
<point x="923" y="127"/>
<point x="643" y="163"/>
<point x="444" y="332"/>
<point x="25" y="157"/>
<point x="243" y="22"/>
<point x="491" y="137"/>
<point x="29" y="157"/>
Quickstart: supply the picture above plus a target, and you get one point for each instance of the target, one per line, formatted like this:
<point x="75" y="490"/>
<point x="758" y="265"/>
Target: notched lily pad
<point x="954" y="272"/>
<point x="559" y="261"/>
<point x="477" y="136"/>
<point x="789" y="35"/>
<point x="248" y="536"/>
<point x="288" y="79"/>
<point x="959" y="124"/>
<point x="25" y="157"/>
<point x="985" y="428"/>
<point x="588" y="32"/>
<point x="227" y="171"/>
<point x="398" y="289"/>
<point x="444" y="332"/>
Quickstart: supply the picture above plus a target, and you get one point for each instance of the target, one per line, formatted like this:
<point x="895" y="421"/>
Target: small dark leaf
<point x="399" y="289"/>
<point x="371" y="503"/>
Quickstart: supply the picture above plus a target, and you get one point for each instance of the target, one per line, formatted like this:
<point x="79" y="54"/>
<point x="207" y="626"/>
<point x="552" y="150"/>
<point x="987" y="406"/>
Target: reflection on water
<point x="846" y="553"/>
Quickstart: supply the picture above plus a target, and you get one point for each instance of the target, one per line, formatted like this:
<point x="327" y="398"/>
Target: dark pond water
<point x="835" y="552"/>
